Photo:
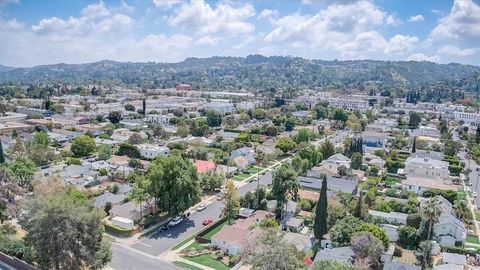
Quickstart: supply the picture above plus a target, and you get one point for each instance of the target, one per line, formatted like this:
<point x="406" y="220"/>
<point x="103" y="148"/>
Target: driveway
<point x="159" y="242"/>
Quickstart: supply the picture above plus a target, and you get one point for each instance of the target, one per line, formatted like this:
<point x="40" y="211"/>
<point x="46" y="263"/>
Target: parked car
<point x="201" y="207"/>
<point x="474" y="194"/>
<point x="175" y="221"/>
<point x="207" y="221"/>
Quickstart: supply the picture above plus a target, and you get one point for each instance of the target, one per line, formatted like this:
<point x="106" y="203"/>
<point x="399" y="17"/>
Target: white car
<point x="201" y="207"/>
<point x="175" y="221"/>
<point x="474" y="194"/>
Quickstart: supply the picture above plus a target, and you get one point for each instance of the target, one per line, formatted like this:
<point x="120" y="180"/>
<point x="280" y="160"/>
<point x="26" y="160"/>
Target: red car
<point x="207" y="221"/>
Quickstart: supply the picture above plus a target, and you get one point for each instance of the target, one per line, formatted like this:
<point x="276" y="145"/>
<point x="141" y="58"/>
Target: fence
<point x="15" y="263"/>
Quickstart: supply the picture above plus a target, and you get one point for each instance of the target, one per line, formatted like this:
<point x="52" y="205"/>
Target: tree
<point x="159" y="132"/>
<point x="376" y="231"/>
<point x="2" y="158"/>
<point x="183" y="130"/>
<point x="230" y="202"/>
<point x="284" y="183"/>
<point x="424" y="254"/>
<point x="211" y="180"/>
<point x="129" y="107"/>
<point x="335" y="211"/>
<point x="477" y="135"/>
<point x="115" y="117"/>
<point x="342" y="170"/>
<point x="214" y="118"/>
<point x="129" y="150"/>
<point x="52" y="220"/>
<point x="414" y="148"/>
<point x="343" y="230"/>
<point x="140" y="190"/>
<point x="23" y="170"/>
<point x="367" y="249"/>
<point x="134" y="163"/>
<point x="108" y="207"/>
<point x="290" y="124"/>
<point x="174" y="184"/>
<point x="302" y="136"/>
<point x="83" y="146"/>
<point x="431" y="211"/>
<point x="321" y="226"/>
<point x="407" y="236"/>
<point x="327" y="149"/>
<point x="360" y="208"/>
<point x="104" y="152"/>
<point x="340" y="115"/>
<point x="41" y="138"/>
<point x="144" y="106"/>
<point x="415" y="119"/>
<point x="356" y="162"/>
<point x="271" y="252"/>
<point x="286" y="144"/>
<point x="135" y="138"/>
<point x="259" y="114"/>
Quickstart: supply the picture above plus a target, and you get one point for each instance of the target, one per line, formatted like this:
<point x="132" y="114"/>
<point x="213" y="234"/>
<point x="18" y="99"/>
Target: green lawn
<point x="195" y="245"/>
<point x="241" y="177"/>
<point x="215" y="230"/>
<point x="186" y="266"/>
<point x="472" y="239"/>
<point x="179" y="245"/>
<point x="477" y="215"/>
<point x="254" y="170"/>
<point x="208" y="261"/>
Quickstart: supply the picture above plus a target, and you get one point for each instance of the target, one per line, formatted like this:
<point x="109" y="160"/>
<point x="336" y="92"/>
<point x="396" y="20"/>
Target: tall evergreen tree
<point x="414" y="148"/>
<point x="477" y="135"/>
<point x="320" y="227"/>
<point x="144" y="106"/>
<point x="359" y="209"/>
<point x="2" y="158"/>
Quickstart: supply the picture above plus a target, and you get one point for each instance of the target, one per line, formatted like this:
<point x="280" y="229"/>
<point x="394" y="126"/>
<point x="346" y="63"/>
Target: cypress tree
<point x="320" y="227"/>
<point x="144" y="107"/>
<point x="414" y="148"/>
<point x="358" y="213"/>
<point x="2" y="158"/>
<point x="477" y="135"/>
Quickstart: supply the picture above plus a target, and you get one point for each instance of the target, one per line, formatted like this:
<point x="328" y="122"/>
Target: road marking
<point x="144" y="244"/>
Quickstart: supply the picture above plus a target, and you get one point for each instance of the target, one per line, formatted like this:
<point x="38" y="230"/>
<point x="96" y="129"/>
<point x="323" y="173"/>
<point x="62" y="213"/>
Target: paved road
<point x="127" y="259"/>
<point x="159" y="242"/>
<point x="473" y="176"/>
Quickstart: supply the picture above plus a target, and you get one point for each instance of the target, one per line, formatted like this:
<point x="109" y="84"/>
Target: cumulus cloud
<point x="268" y="14"/>
<point x="462" y="24"/>
<point x="423" y="57"/>
<point x="456" y="51"/>
<point x="166" y="3"/>
<point x="202" y="19"/>
<point x="416" y="18"/>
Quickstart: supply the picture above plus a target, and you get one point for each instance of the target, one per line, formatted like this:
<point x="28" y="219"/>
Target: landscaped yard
<point x="179" y="245"/>
<point x="240" y="177"/>
<point x="472" y="239"/>
<point x="215" y="230"/>
<point x="208" y="261"/>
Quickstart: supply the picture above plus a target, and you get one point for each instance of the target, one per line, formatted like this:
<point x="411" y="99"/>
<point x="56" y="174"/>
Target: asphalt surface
<point x="127" y="259"/>
<point x="159" y="242"/>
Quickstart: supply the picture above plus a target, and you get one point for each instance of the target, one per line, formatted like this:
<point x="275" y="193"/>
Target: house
<point x="399" y="266"/>
<point x="419" y="153"/>
<point x="448" y="229"/>
<point x="303" y="243"/>
<point x="340" y="254"/>
<point x="151" y="151"/>
<point x="163" y="120"/>
<point x="428" y="168"/>
<point x="452" y="261"/>
<point x="371" y="159"/>
<point x="348" y="185"/>
<point x="392" y="231"/>
<point x="234" y="238"/>
<point x="131" y="211"/>
<point x="336" y="161"/>
<point x="204" y="166"/>
<point x="245" y="212"/>
<point x="241" y="162"/>
<point x="374" y="139"/>
<point x="226" y="170"/>
<point x="106" y="197"/>
<point x="301" y="115"/>
<point x="124" y="223"/>
<point x="419" y="185"/>
<point x="292" y="224"/>
<point x="288" y="211"/>
<point x="244" y="151"/>
<point x="392" y="217"/>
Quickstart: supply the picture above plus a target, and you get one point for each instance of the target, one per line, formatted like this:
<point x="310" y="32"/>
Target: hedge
<point x="117" y="231"/>
<point x="460" y="250"/>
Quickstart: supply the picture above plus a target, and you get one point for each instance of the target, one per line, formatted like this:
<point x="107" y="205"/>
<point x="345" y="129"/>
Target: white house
<point x="428" y="168"/>
<point x="449" y="229"/>
<point x="392" y="217"/>
<point x="419" y="185"/>
<point x="469" y="118"/>
<point x="151" y="151"/>
<point x="335" y="161"/>
<point x="162" y="119"/>
<point x="222" y="107"/>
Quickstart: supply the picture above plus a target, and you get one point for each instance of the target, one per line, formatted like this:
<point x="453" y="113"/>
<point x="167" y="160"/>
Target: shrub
<point x="413" y="220"/>
<point x="398" y="251"/>
<point x="117" y="231"/>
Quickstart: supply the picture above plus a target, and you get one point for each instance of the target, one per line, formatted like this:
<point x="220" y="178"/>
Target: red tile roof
<point x="204" y="166"/>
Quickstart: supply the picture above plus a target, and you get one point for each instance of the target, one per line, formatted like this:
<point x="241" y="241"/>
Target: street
<point x="160" y="242"/>
<point x="126" y="259"/>
<point x="474" y="175"/>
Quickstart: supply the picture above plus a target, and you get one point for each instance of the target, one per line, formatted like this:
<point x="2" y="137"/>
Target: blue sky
<point x="34" y="32"/>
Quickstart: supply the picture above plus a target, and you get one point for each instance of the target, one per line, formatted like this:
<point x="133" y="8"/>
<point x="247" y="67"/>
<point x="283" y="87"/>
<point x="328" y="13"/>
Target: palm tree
<point x="139" y="192"/>
<point x="461" y="209"/>
<point x="431" y="212"/>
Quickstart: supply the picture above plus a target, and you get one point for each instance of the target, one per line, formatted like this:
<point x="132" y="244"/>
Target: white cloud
<point x="401" y="44"/>
<point x="461" y="25"/>
<point x="423" y="57"/>
<point x="268" y="14"/>
<point x="207" y="40"/>
<point x="201" y="18"/>
<point x="416" y="18"/>
<point x="456" y="51"/>
<point x="166" y="3"/>
<point x="392" y="20"/>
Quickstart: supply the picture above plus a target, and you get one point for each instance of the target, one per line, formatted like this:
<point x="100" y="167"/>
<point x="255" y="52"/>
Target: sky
<point x="37" y="32"/>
